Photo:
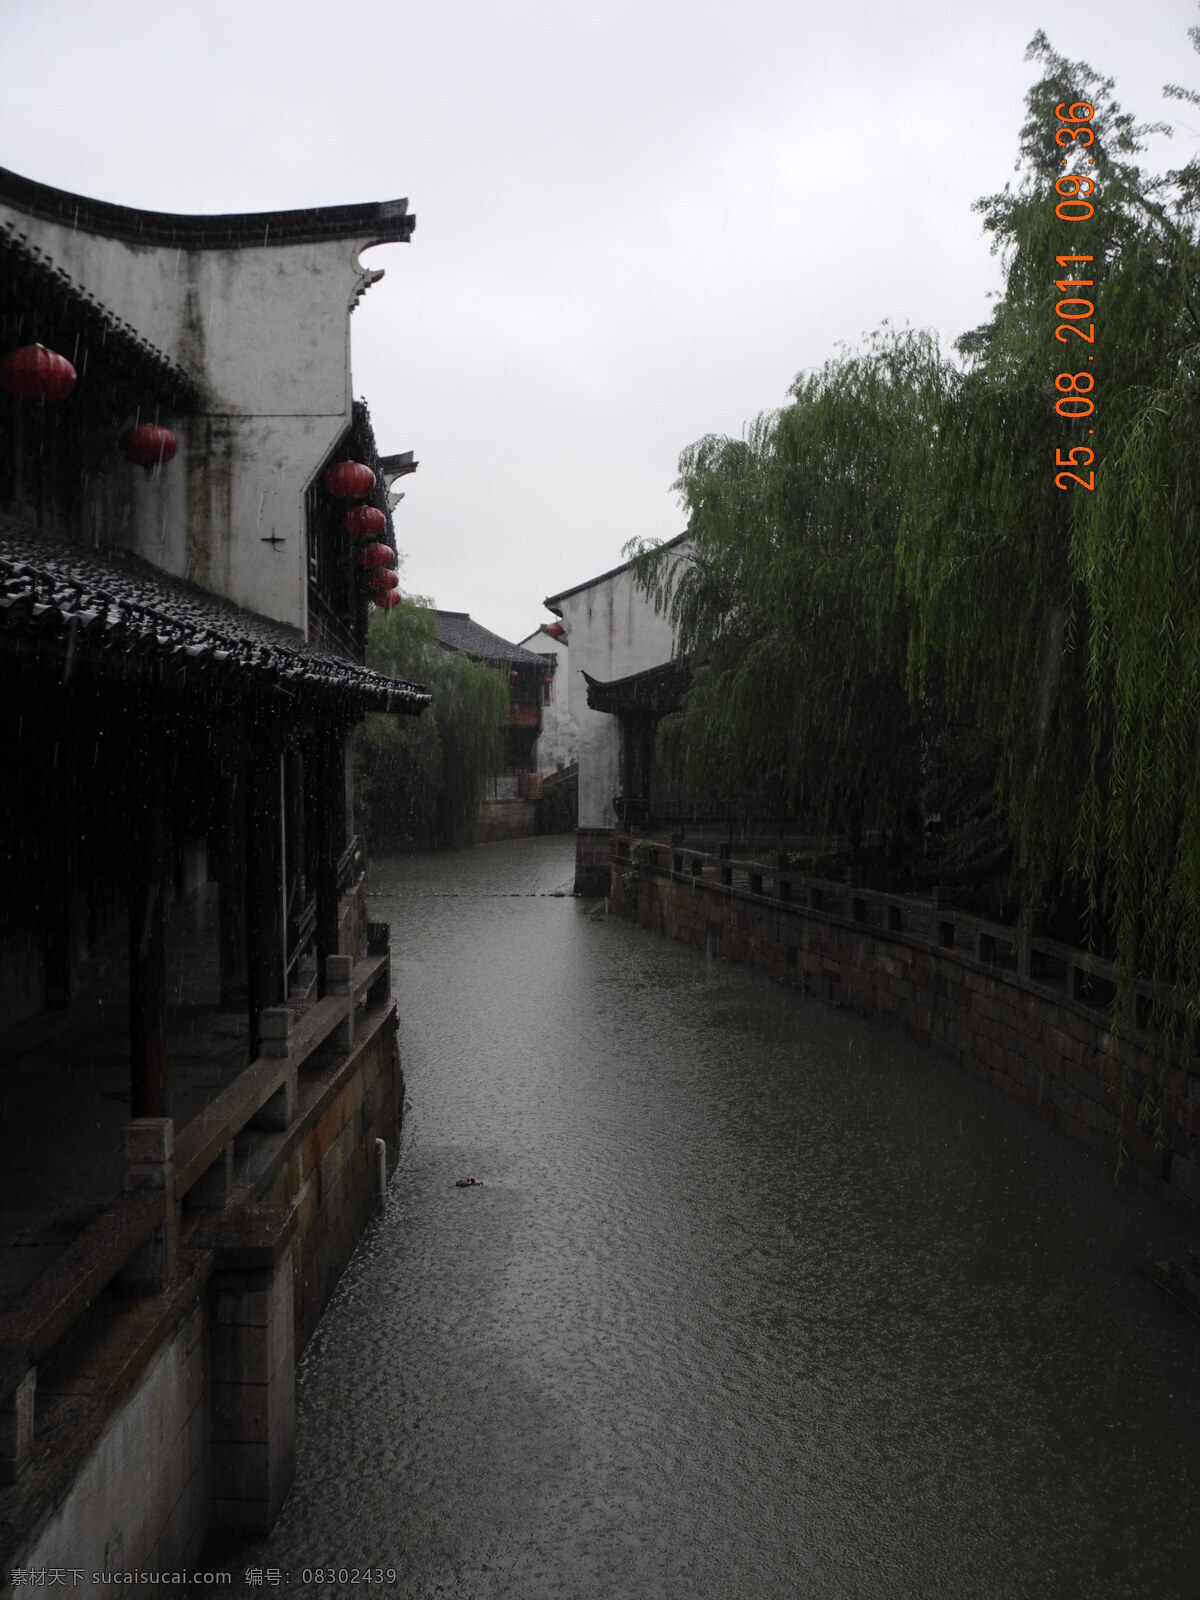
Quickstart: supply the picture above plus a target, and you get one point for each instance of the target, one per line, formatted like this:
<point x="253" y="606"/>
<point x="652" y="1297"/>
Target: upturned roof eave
<point x="373" y="221"/>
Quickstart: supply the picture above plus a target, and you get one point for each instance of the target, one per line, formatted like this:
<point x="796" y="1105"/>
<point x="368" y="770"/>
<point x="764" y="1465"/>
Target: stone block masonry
<point x="141" y="1494"/>
<point x="1046" y="1049"/>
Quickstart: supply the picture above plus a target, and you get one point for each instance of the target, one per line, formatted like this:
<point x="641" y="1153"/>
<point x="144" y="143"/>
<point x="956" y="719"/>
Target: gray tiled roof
<point x="456" y="631"/>
<point x="113" y="610"/>
<point x="659" y="689"/>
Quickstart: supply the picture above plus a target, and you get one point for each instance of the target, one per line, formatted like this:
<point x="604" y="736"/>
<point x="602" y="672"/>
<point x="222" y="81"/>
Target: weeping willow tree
<point x="785" y="598"/>
<point x="1136" y="552"/>
<point x="889" y="558"/>
<point x="422" y="780"/>
<point x="1067" y="624"/>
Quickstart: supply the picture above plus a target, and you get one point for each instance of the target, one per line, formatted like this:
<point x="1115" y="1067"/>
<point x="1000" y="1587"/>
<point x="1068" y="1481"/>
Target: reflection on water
<point x="753" y="1296"/>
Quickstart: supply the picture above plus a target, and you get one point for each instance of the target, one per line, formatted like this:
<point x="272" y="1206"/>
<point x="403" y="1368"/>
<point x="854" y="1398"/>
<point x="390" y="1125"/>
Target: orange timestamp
<point x="1073" y="310"/>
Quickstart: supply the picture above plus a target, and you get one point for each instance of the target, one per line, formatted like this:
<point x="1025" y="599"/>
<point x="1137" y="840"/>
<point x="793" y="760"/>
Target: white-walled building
<point x="184" y="600"/>
<point x="242" y="305"/>
<point x="613" y="632"/>
<point x="558" y="742"/>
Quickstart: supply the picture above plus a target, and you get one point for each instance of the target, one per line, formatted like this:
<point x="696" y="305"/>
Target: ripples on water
<point x="755" y="1297"/>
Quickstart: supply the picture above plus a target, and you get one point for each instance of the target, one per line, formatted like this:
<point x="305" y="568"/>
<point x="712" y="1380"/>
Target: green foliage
<point x="422" y="780"/>
<point x="787" y="601"/>
<point x="640" y="852"/>
<point x="1068" y="624"/>
<point x="886" y="591"/>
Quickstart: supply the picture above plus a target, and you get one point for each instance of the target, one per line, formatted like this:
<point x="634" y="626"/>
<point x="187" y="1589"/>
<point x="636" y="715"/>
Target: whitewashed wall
<point x="264" y="332"/>
<point x="558" y="743"/>
<point x="613" y="631"/>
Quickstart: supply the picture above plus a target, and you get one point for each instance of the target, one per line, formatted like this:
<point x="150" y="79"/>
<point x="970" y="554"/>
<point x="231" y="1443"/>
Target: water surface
<point x="754" y="1296"/>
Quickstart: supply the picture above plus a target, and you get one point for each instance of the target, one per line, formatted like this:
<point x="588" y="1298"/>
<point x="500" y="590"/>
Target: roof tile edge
<point x="378" y="221"/>
<point x="551" y="603"/>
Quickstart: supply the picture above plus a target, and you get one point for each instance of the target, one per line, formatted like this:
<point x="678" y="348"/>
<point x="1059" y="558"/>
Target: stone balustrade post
<point x="275" y="1031"/>
<point x="149" y="1145"/>
<point x="214" y="1191"/>
<point x="338" y="974"/>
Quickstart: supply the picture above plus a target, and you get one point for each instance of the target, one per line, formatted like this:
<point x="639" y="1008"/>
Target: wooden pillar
<point x="149" y="881"/>
<point x="345" y="764"/>
<point x="293" y="796"/>
<point x="266" y="929"/>
<point x="62" y="873"/>
<point x="327" y="788"/>
<point x="228" y="843"/>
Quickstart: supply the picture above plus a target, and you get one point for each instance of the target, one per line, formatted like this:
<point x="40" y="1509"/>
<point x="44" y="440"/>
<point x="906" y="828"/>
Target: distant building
<point x="614" y="634"/>
<point x="525" y="670"/>
<point x="558" y="743"/>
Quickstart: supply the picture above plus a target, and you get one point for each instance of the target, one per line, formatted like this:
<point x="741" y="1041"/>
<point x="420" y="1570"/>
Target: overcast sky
<point x="635" y="223"/>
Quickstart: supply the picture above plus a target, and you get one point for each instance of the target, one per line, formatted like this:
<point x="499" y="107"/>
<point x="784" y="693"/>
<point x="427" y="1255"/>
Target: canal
<point x="753" y="1296"/>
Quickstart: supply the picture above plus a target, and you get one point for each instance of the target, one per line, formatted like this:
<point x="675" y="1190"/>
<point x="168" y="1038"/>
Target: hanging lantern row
<point x="148" y="445"/>
<point x="376" y="555"/>
<point x="349" y="480"/>
<point x="35" y="373"/>
<point x="365" y="521"/>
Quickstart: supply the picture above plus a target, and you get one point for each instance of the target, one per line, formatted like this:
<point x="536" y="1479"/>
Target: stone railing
<point x="1059" y="970"/>
<point x="1031" y="1014"/>
<point x="169" y="1179"/>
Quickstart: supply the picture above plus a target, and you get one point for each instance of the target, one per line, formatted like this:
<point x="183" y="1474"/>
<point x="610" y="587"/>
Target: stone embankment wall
<point x="508" y="819"/>
<point x="1039" y="1046"/>
<point x="326" y="1168"/>
<point x="140" y="1495"/>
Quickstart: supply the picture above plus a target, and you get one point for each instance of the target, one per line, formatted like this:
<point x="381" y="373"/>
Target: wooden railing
<point x="1056" y="969"/>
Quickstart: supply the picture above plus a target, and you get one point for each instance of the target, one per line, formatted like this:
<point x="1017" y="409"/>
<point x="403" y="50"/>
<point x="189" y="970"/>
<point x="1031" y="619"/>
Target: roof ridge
<point x="379" y="221"/>
<point x="563" y="594"/>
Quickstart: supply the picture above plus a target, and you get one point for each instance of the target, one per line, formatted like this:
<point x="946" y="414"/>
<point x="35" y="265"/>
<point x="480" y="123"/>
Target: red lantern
<point x="381" y="578"/>
<point x="376" y="555"/>
<point x="385" y="599"/>
<point x="35" y="373"/>
<point x="349" y="479"/>
<point x="547" y="680"/>
<point x="556" y="630"/>
<point x="362" y="521"/>
<point x="148" y="445"/>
